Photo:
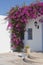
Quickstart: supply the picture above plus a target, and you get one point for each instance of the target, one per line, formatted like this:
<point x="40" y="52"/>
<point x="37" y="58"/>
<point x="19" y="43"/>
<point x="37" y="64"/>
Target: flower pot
<point x="28" y="51"/>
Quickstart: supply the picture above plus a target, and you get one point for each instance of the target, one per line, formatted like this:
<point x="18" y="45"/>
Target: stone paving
<point x="36" y="58"/>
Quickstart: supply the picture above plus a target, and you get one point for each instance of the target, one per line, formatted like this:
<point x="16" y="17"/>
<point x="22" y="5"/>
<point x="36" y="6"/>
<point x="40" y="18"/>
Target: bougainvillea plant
<point x="17" y="19"/>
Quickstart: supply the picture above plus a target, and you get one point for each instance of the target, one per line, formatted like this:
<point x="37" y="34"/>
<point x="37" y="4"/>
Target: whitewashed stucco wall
<point x="4" y="36"/>
<point x="36" y="42"/>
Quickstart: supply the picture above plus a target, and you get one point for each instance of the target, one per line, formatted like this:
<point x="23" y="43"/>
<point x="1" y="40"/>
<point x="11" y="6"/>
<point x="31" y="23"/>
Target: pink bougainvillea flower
<point x="14" y="39"/>
<point x="41" y="20"/>
<point x="17" y="25"/>
<point x="14" y="35"/>
<point x="40" y="4"/>
<point x="9" y="25"/>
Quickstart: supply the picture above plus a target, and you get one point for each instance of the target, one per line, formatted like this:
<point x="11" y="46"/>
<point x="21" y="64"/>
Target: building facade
<point x="4" y="36"/>
<point x="33" y="35"/>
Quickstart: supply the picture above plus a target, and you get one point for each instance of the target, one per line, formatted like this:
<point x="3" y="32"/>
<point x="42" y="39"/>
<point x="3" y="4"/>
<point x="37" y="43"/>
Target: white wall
<point x="36" y="42"/>
<point x="4" y="36"/>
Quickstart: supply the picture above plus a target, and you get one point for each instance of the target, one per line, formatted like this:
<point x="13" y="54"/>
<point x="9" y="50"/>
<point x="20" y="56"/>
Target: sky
<point x="6" y="5"/>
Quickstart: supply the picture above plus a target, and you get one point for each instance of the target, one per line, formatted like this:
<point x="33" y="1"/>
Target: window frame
<point x="30" y="34"/>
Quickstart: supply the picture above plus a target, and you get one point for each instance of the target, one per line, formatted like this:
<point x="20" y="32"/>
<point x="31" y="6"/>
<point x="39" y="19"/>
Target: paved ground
<point x="14" y="59"/>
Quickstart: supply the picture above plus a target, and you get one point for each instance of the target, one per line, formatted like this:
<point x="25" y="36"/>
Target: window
<point x="30" y="34"/>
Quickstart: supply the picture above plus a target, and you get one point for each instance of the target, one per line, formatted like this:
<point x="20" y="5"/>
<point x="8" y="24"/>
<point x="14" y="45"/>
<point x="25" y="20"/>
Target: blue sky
<point x="5" y="5"/>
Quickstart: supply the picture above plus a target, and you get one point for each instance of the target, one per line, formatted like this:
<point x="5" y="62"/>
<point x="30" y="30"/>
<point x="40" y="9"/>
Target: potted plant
<point x="27" y="50"/>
